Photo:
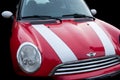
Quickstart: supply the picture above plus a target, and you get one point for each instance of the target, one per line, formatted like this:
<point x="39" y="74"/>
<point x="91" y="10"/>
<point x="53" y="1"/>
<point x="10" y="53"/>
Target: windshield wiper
<point x="41" y="17"/>
<point x="78" y="16"/>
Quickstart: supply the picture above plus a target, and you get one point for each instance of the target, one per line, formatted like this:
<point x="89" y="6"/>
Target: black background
<point x="107" y="11"/>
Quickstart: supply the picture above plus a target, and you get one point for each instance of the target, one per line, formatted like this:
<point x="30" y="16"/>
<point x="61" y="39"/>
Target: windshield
<point x="53" y="8"/>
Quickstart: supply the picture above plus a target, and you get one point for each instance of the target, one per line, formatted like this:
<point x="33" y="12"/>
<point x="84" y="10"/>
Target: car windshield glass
<point x="54" y="8"/>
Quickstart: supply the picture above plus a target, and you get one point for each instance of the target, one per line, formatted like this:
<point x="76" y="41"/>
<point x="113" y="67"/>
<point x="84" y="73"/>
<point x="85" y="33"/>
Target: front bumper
<point x="111" y="76"/>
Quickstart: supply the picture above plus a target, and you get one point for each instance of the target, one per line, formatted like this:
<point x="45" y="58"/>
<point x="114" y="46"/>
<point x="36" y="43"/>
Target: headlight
<point x="28" y="57"/>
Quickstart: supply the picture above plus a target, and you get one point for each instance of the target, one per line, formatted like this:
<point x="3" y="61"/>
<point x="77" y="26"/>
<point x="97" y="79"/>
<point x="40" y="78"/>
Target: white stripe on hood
<point x="107" y="44"/>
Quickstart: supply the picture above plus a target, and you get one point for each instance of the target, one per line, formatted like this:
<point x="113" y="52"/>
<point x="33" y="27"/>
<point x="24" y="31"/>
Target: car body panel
<point x="78" y="36"/>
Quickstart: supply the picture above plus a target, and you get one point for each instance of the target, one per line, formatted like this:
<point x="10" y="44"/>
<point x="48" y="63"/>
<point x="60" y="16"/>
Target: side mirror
<point x="93" y="11"/>
<point x="7" y="14"/>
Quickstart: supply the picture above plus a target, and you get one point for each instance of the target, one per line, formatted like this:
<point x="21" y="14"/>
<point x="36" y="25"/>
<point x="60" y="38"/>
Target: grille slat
<point x="86" y="65"/>
<point x="72" y="72"/>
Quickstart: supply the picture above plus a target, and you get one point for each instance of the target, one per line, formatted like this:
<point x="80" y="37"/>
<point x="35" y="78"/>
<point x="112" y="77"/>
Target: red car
<point x="63" y="40"/>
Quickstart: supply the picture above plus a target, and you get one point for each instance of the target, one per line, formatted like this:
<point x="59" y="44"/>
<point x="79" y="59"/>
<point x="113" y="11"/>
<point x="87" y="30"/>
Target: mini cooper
<point x="62" y="39"/>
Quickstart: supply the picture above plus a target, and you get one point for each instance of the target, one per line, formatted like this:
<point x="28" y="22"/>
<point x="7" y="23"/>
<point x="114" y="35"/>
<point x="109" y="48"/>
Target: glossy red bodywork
<point x="80" y="38"/>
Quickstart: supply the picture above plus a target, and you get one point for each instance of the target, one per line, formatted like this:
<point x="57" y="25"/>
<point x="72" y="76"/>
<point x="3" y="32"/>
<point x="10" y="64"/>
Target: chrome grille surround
<point x="86" y="65"/>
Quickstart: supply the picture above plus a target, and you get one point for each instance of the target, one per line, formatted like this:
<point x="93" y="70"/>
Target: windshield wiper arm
<point x="42" y="17"/>
<point x="77" y="16"/>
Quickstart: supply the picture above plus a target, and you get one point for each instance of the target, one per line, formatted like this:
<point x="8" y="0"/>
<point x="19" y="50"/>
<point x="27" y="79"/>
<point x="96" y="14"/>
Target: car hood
<point x="70" y="40"/>
<point x="67" y="41"/>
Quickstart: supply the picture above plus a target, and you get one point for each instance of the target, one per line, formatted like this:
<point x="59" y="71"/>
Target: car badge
<point x="91" y="54"/>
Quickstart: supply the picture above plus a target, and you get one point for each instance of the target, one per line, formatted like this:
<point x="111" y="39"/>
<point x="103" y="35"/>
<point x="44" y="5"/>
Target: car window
<point x="54" y="8"/>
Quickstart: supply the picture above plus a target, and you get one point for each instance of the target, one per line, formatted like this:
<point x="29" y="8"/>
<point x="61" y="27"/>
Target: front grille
<point x="86" y="65"/>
